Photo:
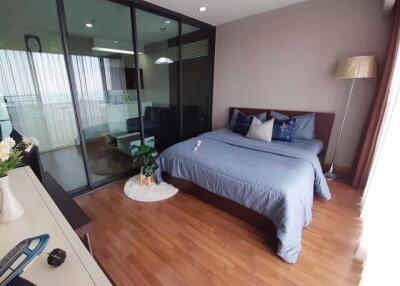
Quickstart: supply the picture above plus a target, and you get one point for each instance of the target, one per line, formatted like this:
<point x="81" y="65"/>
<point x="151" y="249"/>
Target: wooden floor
<point x="183" y="241"/>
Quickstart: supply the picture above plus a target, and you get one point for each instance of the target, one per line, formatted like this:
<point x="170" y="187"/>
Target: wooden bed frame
<point x="323" y="128"/>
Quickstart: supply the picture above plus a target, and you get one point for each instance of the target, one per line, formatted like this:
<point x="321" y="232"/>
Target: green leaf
<point x="145" y="155"/>
<point x="13" y="161"/>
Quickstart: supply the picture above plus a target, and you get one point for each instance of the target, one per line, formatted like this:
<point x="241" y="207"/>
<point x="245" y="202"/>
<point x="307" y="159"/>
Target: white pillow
<point x="261" y="131"/>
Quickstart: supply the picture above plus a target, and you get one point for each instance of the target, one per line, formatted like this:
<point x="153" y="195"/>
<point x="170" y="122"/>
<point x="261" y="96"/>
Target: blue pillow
<point x="304" y="127"/>
<point x="283" y="129"/>
<point x="243" y="123"/>
<point x="262" y="116"/>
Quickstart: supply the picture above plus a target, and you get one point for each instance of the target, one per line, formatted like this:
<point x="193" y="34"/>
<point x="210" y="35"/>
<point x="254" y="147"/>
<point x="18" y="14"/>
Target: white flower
<point x="4" y="155"/>
<point x="7" y="143"/>
<point x="30" y="140"/>
<point x="28" y="148"/>
<point x="10" y="142"/>
<point x="5" y="148"/>
<point x="4" y="151"/>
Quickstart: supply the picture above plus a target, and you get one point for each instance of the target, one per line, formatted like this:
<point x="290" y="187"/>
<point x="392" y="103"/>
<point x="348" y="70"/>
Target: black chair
<point x="32" y="158"/>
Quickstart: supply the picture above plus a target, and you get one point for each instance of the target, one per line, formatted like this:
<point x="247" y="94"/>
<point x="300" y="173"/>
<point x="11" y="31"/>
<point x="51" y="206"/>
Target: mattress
<point x="315" y="146"/>
<point x="276" y="180"/>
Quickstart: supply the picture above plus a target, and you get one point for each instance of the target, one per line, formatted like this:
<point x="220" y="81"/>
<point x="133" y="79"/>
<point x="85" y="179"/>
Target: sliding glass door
<point x="69" y="76"/>
<point x="104" y="73"/>
<point x="34" y="89"/>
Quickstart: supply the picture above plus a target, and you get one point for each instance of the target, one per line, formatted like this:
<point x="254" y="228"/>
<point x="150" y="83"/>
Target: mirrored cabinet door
<point x="196" y="83"/>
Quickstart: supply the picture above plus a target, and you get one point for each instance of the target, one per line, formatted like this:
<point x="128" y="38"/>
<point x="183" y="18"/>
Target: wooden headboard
<point x="323" y="123"/>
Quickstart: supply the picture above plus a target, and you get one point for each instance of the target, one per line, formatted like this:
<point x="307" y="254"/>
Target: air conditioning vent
<point x="189" y="51"/>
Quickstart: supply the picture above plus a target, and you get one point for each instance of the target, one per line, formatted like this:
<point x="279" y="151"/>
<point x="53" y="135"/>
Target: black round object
<point x="56" y="257"/>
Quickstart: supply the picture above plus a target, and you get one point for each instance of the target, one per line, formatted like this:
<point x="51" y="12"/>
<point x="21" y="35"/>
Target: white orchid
<point x="5" y="148"/>
<point x="4" y="154"/>
<point x="10" y="142"/>
<point x="29" y="142"/>
<point x="10" y="155"/>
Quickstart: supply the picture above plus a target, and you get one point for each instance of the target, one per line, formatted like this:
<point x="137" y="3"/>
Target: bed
<point x="276" y="180"/>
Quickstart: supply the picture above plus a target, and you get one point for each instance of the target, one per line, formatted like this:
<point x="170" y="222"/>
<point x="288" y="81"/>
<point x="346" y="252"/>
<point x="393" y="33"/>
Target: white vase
<point x="10" y="208"/>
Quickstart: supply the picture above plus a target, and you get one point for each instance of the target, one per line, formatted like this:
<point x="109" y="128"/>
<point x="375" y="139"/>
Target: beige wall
<point x="285" y="59"/>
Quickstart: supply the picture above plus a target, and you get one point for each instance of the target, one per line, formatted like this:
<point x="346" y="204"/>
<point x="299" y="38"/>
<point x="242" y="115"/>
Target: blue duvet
<point x="276" y="180"/>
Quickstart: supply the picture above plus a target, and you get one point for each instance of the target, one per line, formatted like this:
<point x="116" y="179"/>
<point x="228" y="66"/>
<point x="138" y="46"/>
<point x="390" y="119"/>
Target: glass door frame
<point x="132" y="5"/>
<point x="73" y="90"/>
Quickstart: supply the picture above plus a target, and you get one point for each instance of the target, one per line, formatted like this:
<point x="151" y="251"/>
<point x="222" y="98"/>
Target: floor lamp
<point x="351" y="68"/>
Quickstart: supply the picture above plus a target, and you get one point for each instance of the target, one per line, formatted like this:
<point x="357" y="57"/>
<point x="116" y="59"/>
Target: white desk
<point x="42" y="216"/>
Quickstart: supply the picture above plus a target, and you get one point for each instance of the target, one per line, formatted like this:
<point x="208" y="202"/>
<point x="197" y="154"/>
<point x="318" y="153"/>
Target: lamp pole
<point x="330" y="175"/>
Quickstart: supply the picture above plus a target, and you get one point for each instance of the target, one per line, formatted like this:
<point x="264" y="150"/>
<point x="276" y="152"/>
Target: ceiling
<point x="111" y="21"/>
<point x="222" y="11"/>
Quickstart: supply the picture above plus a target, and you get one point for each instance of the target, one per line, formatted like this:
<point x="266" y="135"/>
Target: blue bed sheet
<point x="315" y="146"/>
<point x="276" y="180"/>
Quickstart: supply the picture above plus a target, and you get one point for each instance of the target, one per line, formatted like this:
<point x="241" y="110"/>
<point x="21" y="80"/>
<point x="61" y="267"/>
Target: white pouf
<point x="143" y="193"/>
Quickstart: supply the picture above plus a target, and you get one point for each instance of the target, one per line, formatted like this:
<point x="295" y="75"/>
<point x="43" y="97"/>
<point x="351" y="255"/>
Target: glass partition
<point x="158" y="60"/>
<point x="86" y="115"/>
<point x="35" y="94"/>
<point x="101" y="47"/>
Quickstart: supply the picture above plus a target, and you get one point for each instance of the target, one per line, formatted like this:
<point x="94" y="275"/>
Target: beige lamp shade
<point x="357" y="67"/>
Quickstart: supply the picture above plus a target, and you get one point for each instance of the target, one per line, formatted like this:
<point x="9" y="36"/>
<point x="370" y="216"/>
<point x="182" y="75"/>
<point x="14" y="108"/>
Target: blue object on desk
<point x="20" y="257"/>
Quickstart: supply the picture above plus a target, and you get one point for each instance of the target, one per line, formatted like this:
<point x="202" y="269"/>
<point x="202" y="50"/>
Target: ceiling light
<point x="163" y="60"/>
<point x="89" y="25"/>
<point x="116" y="42"/>
<point x="203" y="9"/>
<point x="167" y="22"/>
<point x="116" y="51"/>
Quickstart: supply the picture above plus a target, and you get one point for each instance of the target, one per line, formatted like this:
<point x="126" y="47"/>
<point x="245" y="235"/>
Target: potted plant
<point x="10" y="158"/>
<point x="145" y="155"/>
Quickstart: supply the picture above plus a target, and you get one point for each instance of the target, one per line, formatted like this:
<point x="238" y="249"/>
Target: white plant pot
<point x="10" y="208"/>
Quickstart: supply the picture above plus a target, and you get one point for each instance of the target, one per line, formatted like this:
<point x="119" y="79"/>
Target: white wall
<point x="285" y="59"/>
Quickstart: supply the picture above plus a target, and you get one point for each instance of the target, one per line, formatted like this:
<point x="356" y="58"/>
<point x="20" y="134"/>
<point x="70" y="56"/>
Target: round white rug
<point x="143" y="193"/>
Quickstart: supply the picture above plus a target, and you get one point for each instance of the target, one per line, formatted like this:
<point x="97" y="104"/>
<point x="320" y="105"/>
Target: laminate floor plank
<point x="185" y="241"/>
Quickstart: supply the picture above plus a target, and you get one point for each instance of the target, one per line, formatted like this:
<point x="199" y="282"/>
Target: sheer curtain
<point x="36" y="88"/>
<point x="54" y="101"/>
<point x="380" y="241"/>
<point x="91" y="90"/>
